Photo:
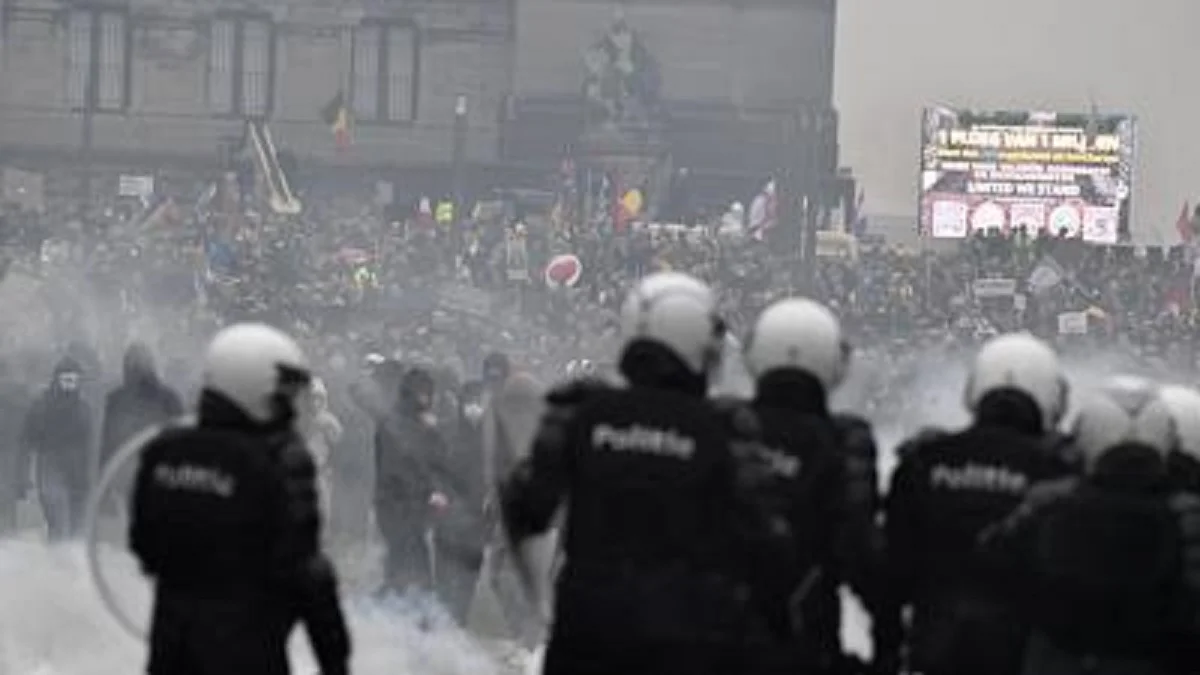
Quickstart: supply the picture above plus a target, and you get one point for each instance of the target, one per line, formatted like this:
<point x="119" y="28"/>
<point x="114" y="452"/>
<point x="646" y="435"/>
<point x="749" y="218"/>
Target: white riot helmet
<point x="1184" y="404"/>
<point x="1123" y="410"/>
<point x="799" y="334"/>
<point x="1021" y="362"/>
<point x="678" y="312"/>
<point x="257" y="368"/>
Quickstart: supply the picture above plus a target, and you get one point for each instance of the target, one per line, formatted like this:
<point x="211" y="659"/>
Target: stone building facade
<point x="168" y="80"/>
<point x="175" y="81"/>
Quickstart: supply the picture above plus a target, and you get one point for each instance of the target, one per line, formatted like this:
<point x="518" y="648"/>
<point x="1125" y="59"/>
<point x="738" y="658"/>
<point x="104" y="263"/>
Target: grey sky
<point x="896" y="56"/>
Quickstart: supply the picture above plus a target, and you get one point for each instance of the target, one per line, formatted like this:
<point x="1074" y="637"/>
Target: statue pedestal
<point x="636" y="156"/>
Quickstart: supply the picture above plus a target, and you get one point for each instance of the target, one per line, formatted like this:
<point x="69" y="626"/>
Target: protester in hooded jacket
<point x="946" y="491"/>
<point x="57" y="433"/>
<point x="376" y="389"/>
<point x="460" y="527"/>
<point x="142" y="401"/>
<point x="412" y="483"/>
<point x="92" y="382"/>
<point x="1098" y="557"/>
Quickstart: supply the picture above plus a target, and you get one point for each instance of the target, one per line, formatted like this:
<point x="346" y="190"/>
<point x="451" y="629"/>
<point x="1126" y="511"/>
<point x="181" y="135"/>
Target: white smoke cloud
<point x="52" y="623"/>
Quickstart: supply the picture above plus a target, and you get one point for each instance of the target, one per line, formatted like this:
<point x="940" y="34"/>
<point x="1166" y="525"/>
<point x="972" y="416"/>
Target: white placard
<point x="1072" y="323"/>
<point x="994" y="288"/>
<point x="135" y="186"/>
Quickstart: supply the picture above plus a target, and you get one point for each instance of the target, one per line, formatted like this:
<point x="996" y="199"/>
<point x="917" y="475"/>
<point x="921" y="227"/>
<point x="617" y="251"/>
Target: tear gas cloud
<point x="61" y="310"/>
<point x="54" y="623"/>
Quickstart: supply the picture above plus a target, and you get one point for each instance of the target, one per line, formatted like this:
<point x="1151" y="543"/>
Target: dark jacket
<point x="375" y="392"/>
<point x="225" y="520"/>
<point x="659" y="534"/>
<point x="410" y="465"/>
<point x="1183" y="471"/>
<point x="1099" y="563"/>
<point x="142" y="401"/>
<point x="1184" y="474"/>
<point x="946" y="491"/>
<point x="465" y="467"/>
<point x="833" y="503"/>
<point x="58" y="429"/>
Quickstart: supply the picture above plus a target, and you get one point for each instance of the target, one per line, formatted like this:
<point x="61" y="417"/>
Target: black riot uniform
<point x="657" y="540"/>
<point x="1100" y="570"/>
<point x="225" y="521"/>
<point x="824" y="482"/>
<point x="859" y="543"/>
<point x="1063" y="447"/>
<point x="1183" y="472"/>
<point x="947" y="489"/>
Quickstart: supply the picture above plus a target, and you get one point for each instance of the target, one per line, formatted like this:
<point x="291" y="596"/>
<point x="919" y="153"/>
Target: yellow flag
<point x="631" y="203"/>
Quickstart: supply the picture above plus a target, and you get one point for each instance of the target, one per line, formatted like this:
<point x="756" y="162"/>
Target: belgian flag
<point x="337" y="116"/>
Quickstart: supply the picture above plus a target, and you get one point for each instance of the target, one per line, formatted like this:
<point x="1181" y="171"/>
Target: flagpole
<point x="457" y="162"/>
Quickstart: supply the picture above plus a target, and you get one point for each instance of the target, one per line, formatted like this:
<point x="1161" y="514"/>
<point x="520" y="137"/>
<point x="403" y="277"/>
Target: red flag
<point x="337" y="116"/>
<point x="1184" y="225"/>
<point x="342" y="139"/>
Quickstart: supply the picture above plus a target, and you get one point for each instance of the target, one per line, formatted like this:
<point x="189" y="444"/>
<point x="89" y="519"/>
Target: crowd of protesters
<point x="359" y="281"/>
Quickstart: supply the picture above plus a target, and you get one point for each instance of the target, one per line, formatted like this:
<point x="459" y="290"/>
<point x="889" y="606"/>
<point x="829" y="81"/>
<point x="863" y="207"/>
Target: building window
<point x="241" y="67"/>
<point x="256" y="68"/>
<point x="384" y="73"/>
<point x="220" y="67"/>
<point x="366" y="73"/>
<point x="98" y="60"/>
<point x="79" y="57"/>
<point x="114" y="57"/>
